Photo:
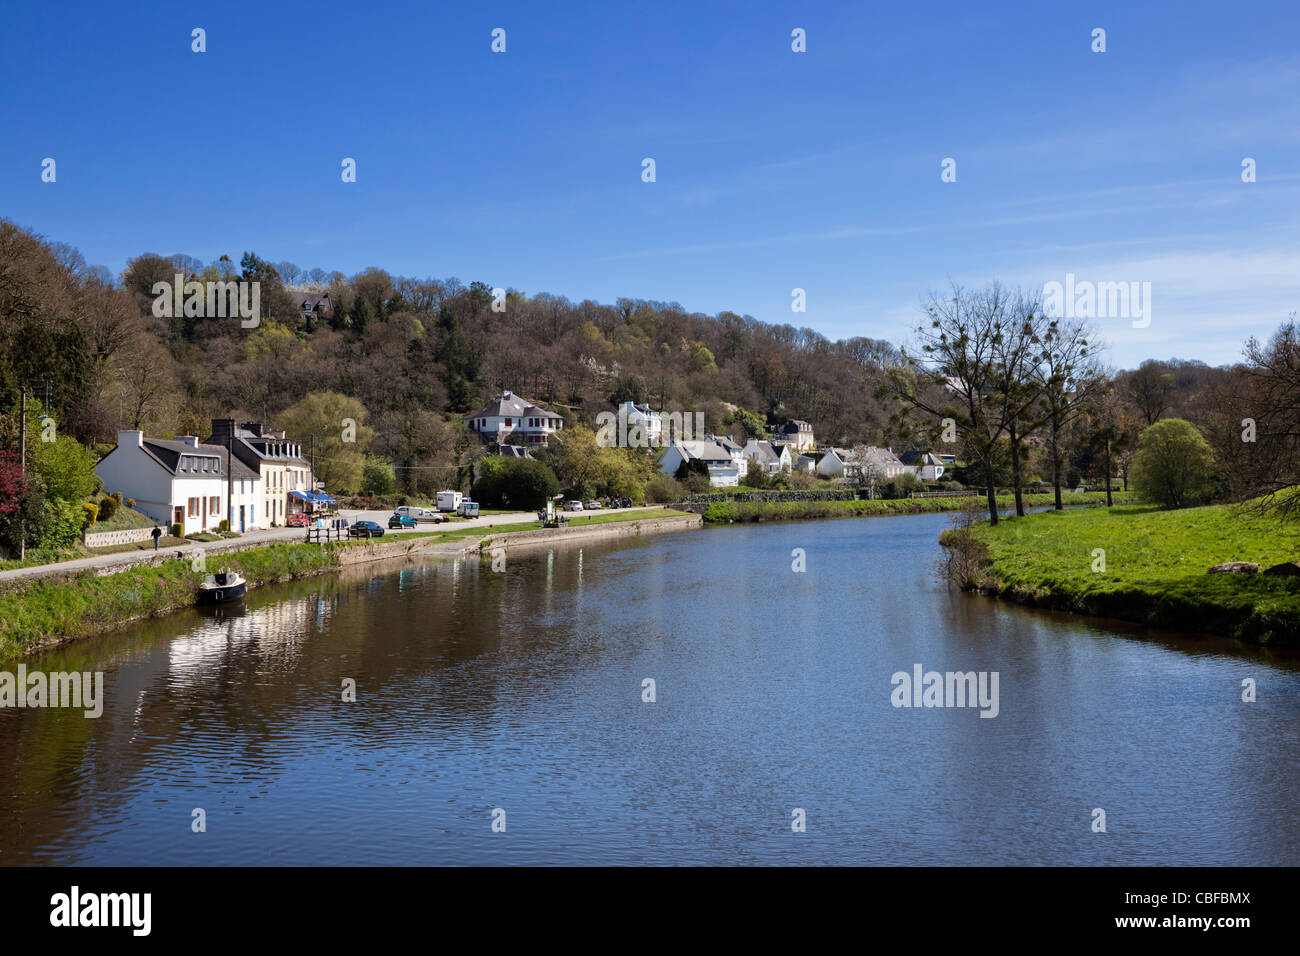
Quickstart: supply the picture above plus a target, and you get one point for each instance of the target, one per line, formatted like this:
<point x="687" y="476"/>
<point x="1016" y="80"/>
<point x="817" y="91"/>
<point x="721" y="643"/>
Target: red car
<point x="298" y="520"/>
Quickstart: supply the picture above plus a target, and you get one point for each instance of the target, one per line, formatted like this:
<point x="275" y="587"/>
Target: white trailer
<point x="449" y="500"/>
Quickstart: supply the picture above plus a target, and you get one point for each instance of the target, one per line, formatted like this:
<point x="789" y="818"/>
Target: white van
<point x="420" y="514"/>
<point x="449" y="500"/>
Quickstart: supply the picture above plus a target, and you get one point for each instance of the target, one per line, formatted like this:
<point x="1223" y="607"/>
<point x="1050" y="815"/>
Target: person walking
<point x="157" y="533"/>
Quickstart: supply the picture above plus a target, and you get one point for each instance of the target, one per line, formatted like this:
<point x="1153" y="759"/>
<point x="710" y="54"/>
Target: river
<point x="522" y="690"/>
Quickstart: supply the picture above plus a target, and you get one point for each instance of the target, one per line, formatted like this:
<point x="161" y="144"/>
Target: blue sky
<point x="775" y="170"/>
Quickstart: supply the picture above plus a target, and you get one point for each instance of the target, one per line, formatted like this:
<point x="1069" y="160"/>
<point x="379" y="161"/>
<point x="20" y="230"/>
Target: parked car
<point x="366" y="529"/>
<point x="421" y="514"/>
<point x="593" y="505"/>
<point x="401" y="521"/>
<point x="573" y="506"/>
<point x="298" y="519"/>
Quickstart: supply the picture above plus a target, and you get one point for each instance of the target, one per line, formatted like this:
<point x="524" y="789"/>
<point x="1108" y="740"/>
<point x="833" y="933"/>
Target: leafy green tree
<point x="1174" y="465"/>
<point x="521" y="483"/>
<point x="65" y="466"/>
<point x="377" y="477"/>
<point x="325" y="416"/>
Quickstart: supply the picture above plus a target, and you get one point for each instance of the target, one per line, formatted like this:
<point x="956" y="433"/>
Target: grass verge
<point x="721" y="512"/>
<point x="46" y="610"/>
<point x="1155" y="568"/>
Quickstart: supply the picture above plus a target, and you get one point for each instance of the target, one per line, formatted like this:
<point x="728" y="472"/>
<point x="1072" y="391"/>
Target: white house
<point x="172" y="481"/>
<point x="798" y="434"/>
<point x="651" y="422"/>
<point x="836" y="464"/>
<point x="501" y="417"/>
<point x="925" y="465"/>
<point x="721" y="464"/>
<point x="840" y="464"/>
<point x="772" y="457"/>
<point x="733" y="449"/>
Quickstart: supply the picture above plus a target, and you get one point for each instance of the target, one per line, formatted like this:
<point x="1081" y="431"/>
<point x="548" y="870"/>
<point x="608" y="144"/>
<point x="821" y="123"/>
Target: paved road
<point x="268" y="536"/>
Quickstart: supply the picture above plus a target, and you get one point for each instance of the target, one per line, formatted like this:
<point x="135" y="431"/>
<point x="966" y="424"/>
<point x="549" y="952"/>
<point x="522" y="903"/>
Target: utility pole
<point x="230" y="478"/>
<point x="22" y="473"/>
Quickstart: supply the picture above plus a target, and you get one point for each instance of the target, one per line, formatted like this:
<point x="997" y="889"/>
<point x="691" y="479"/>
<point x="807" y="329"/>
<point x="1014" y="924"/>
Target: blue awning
<point x="302" y="495"/>
<point x="324" y="498"/>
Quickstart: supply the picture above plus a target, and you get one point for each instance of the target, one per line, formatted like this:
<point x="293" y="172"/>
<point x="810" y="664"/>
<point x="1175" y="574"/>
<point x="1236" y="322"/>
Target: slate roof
<point x="704" y="449"/>
<point x="510" y="405"/>
<point x="171" y="454"/>
<point x="318" y="302"/>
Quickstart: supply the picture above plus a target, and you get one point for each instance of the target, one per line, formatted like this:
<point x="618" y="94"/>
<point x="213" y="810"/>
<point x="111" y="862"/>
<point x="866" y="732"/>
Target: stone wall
<point x="553" y="536"/>
<point x="106" y="539"/>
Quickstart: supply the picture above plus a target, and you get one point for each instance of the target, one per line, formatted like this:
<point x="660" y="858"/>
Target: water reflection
<point x="522" y="689"/>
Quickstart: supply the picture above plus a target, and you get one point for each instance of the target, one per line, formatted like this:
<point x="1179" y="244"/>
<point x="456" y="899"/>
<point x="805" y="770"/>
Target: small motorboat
<point x="222" y="587"/>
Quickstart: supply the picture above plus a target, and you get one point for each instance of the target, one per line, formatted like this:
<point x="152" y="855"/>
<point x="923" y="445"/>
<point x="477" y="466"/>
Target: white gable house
<point x="174" y="482"/>
<point x="510" y="414"/>
<point x="722" y="467"/>
<point x="772" y="457"/>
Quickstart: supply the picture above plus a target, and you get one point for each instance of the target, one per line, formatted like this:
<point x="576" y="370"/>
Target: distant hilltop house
<point x="313" y="305"/>
<point x="797" y="434"/>
<point x="770" y="457"/>
<point x="725" y="466"/>
<point x="840" y="464"/>
<point x="508" y="415"/>
<point x="924" y="464"/>
<point x="174" y="481"/>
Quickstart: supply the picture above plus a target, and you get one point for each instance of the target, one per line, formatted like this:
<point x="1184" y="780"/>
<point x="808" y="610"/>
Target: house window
<point x="194" y="507"/>
<point x="214" y="505"/>
<point x="508" y="422"/>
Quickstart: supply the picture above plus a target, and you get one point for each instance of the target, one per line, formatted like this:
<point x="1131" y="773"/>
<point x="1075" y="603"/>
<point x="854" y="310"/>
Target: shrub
<point x="377" y="477"/>
<point x="90" y="513"/>
<point x="663" y="489"/>
<point x="130" y="503"/>
<point x="522" y="483"/>
<point x="63" y="525"/>
<point x="107" y="508"/>
<point x="720" y="511"/>
<point x="900" y="486"/>
<point x="1174" y="465"/>
<point x="223" y="525"/>
<point x="176" y="530"/>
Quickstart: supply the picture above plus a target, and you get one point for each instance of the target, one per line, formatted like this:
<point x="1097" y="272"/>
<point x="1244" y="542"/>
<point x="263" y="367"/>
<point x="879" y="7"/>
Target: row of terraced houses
<point x="257" y="475"/>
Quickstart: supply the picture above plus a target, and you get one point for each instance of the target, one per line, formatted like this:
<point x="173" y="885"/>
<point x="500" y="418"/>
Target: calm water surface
<point x="522" y="690"/>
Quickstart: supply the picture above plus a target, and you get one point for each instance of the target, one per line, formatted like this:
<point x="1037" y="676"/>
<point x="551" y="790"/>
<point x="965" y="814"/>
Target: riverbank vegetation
<point x="42" y="611"/>
<point x="722" y="512"/>
<point x="1141" y="564"/>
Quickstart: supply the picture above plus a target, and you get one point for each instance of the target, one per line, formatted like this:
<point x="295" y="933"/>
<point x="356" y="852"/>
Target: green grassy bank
<point x="1155" y="568"/>
<point x="41" y="611"/>
<point x="46" y="610"/>
<point x="724" y="511"/>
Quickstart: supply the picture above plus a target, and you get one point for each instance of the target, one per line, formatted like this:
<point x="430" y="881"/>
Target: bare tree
<point x="866" y="471"/>
<point x="960" y="372"/>
<point x="1070" y="380"/>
